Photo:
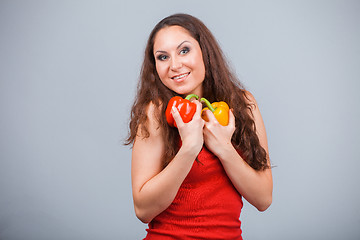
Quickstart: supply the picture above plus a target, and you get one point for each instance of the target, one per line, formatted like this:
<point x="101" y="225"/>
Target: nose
<point x="175" y="64"/>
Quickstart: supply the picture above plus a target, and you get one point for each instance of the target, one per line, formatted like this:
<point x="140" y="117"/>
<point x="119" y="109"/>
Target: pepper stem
<point x="208" y="104"/>
<point x="188" y="97"/>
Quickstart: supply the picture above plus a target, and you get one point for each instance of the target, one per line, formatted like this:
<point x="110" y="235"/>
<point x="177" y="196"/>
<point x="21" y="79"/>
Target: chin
<point x="181" y="92"/>
<point x="185" y="91"/>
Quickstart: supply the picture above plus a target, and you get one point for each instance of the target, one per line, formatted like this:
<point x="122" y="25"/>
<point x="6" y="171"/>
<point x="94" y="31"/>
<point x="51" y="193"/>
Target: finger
<point x="210" y="115"/>
<point x="198" y="109"/>
<point x="176" y="116"/>
<point x="231" y="118"/>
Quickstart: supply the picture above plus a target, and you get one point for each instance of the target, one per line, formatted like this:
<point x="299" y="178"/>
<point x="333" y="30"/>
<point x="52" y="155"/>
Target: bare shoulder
<point x="151" y="127"/>
<point x="250" y="99"/>
<point x="249" y="96"/>
<point x="258" y="120"/>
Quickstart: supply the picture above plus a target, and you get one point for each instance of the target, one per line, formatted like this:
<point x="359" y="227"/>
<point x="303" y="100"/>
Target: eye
<point x="184" y="50"/>
<point x="162" y="57"/>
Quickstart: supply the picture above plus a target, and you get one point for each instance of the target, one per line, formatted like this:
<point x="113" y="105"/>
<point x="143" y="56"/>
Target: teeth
<point x="181" y="76"/>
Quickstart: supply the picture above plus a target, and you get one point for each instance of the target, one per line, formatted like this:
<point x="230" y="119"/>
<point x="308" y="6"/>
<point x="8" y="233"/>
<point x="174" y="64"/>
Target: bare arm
<point x="255" y="186"/>
<point x="155" y="188"/>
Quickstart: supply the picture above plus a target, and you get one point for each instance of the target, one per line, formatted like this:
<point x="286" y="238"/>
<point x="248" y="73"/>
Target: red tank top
<point x="207" y="206"/>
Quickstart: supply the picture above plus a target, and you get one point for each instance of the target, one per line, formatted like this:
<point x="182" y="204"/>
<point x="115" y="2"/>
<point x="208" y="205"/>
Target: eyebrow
<point x="160" y="51"/>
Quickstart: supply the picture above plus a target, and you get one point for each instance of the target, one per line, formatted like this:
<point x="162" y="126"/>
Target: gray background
<point x="68" y="73"/>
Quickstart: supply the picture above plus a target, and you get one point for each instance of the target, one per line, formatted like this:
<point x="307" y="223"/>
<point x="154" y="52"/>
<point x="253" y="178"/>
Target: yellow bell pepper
<point x="219" y="109"/>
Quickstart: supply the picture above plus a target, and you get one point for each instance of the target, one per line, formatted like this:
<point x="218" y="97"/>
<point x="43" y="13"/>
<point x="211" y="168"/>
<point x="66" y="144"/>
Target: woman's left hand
<point x="217" y="138"/>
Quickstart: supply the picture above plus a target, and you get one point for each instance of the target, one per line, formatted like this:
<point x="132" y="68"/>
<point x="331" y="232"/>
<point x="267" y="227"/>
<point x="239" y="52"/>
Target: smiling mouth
<point x="180" y="76"/>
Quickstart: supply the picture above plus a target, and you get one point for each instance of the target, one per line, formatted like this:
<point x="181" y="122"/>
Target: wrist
<point x="191" y="148"/>
<point x="225" y="152"/>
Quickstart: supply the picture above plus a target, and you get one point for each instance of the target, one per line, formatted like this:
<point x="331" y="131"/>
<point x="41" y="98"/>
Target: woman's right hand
<point x="191" y="133"/>
<point x="155" y="187"/>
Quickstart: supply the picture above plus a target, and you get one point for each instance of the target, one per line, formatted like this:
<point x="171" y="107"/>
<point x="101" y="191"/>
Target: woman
<point x="188" y="182"/>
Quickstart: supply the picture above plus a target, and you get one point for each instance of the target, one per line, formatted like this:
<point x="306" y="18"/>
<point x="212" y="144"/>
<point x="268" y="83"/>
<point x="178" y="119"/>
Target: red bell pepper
<point x="186" y="109"/>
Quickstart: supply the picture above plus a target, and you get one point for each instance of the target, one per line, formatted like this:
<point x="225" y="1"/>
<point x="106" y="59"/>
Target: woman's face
<point x="179" y="61"/>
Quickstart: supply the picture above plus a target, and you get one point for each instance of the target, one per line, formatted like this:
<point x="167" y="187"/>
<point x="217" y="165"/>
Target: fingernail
<point x="173" y="109"/>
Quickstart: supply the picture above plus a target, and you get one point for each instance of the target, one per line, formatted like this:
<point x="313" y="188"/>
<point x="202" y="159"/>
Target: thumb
<point x="231" y="118"/>
<point x="176" y="115"/>
<point x="210" y="115"/>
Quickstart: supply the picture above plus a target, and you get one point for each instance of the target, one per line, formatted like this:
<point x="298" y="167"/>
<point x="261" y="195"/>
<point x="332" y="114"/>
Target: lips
<point x="180" y="77"/>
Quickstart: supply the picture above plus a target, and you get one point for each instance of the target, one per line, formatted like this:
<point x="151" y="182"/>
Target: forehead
<point x="171" y="37"/>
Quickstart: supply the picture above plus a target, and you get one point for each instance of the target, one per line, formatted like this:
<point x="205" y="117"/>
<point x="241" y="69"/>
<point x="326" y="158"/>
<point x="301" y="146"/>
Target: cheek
<point x="198" y="64"/>
<point x="160" y="68"/>
<point x="163" y="74"/>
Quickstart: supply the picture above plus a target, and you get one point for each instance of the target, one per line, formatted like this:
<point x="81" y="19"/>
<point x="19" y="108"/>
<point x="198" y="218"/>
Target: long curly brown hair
<point x="220" y="84"/>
